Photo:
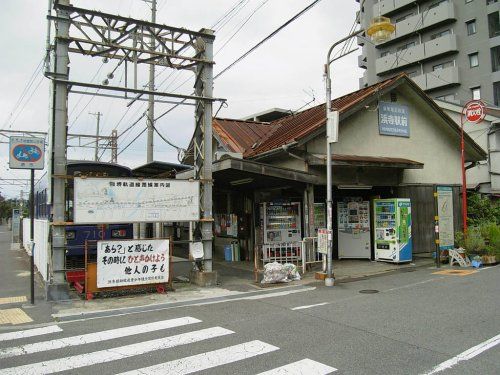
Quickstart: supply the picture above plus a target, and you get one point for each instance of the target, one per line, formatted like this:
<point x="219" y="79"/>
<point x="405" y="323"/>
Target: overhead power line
<point x="294" y="18"/>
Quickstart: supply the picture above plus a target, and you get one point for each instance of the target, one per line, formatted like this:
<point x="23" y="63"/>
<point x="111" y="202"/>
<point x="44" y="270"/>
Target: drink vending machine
<point x="353" y="219"/>
<point x="282" y="228"/>
<point x="392" y="222"/>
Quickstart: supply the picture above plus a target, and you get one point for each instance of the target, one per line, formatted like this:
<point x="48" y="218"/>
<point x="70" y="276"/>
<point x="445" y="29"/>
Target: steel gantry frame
<point x="96" y="34"/>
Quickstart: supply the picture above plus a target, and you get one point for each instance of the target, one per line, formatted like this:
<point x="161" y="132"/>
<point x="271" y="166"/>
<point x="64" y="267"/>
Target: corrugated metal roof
<point x="297" y="126"/>
<point x="239" y="135"/>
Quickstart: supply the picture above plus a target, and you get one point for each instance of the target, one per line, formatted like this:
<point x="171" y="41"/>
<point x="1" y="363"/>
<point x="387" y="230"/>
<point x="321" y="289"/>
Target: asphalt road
<point x="416" y="322"/>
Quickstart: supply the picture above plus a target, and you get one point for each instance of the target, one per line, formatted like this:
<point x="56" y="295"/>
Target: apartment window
<point x="447" y="98"/>
<point x="493" y="24"/>
<point x="475" y="93"/>
<point x="440" y="34"/>
<point x="495" y="59"/>
<point x="402" y="18"/>
<point x="437" y="3"/>
<point x="471" y="27"/>
<point x="406" y="46"/>
<point x="496" y="93"/>
<point x="442" y="65"/>
<point x="473" y="60"/>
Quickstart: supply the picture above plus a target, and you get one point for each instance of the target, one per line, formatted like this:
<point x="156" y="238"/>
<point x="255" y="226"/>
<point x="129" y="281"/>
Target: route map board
<point x="129" y="200"/>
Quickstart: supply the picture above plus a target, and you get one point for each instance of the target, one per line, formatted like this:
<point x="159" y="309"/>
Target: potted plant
<point x="473" y="243"/>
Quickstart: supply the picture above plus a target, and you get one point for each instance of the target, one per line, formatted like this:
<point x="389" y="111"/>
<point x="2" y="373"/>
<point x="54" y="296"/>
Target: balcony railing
<point x="438" y="78"/>
<point x="442" y="14"/>
<point x="446" y="44"/>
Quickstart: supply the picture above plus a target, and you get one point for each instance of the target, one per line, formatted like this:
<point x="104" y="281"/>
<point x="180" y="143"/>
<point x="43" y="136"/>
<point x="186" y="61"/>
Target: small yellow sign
<point x="455" y="272"/>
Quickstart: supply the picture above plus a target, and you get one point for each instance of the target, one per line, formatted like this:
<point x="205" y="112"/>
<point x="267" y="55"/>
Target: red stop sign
<point x="474" y="111"/>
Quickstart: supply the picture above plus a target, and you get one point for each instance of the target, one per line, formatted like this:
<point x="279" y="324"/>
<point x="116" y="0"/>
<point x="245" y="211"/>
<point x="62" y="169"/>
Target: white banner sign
<point x="323" y="238"/>
<point x="132" y="262"/>
<point x="128" y="200"/>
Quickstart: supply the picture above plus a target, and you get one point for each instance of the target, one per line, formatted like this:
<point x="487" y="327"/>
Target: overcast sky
<point x="285" y="72"/>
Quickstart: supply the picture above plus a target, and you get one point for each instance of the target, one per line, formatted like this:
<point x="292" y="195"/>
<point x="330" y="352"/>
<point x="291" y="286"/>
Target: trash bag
<point x="280" y="273"/>
<point x="274" y="273"/>
<point x="291" y="271"/>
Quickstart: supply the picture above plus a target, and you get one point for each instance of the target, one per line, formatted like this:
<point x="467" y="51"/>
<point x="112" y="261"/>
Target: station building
<point x="394" y="142"/>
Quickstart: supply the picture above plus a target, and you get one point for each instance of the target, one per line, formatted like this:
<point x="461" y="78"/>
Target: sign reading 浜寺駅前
<point x="129" y="200"/>
<point x="393" y="119"/>
<point x="132" y="262"/>
<point x="26" y="153"/>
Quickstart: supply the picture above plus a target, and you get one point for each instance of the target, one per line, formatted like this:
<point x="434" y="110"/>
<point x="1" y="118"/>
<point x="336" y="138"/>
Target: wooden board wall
<point x="422" y="206"/>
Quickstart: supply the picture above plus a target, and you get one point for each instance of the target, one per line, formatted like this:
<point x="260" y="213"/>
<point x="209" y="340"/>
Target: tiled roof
<point x="295" y="127"/>
<point x="240" y="136"/>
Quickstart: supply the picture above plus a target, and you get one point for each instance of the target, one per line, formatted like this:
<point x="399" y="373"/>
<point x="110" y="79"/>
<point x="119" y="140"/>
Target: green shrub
<point x="482" y="210"/>
<point x="491" y="235"/>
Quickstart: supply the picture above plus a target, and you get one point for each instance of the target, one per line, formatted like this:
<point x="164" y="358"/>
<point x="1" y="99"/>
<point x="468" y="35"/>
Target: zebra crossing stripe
<point x="204" y="361"/>
<point x="95" y="337"/>
<point x="114" y="354"/>
<point x="304" y="366"/>
<point x="29" y="333"/>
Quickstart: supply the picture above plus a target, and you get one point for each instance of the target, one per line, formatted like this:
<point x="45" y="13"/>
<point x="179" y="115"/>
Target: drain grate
<point x="369" y="291"/>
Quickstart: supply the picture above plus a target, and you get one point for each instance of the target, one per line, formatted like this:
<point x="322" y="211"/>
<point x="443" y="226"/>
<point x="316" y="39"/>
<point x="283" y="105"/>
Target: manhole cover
<point x="369" y="291"/>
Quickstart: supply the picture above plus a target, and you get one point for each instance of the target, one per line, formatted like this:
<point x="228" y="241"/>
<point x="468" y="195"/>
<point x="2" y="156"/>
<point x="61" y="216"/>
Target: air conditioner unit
<point x="221" y="154"/>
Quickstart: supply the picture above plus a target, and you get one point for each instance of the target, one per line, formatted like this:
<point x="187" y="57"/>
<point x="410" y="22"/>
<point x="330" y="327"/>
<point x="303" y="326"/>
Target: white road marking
<point x="114" y="354"/>
<point x="304" y="366"/>
<point x="95" y="337"/>
<point x="275" y="294"/>
<point x="122" y="311"/>
<point x="465" y="356"/>
<point x="29" y="333"/>
<point x="203" y="361"/>
<point x="309" y="306"/>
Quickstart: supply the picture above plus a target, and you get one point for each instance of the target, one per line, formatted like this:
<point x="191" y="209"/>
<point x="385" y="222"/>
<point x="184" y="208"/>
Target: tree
<point x="482" y="210"/>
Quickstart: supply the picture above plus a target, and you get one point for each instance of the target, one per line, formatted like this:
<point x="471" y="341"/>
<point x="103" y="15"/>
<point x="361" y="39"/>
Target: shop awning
<point x="238" y="173"/>
<point x="367" y="161"/>
<point x="159" y="169"/>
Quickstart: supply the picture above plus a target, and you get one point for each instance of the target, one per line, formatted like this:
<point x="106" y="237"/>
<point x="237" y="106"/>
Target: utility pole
<point x="98" y="115"/>
<point x="151" y="98"/>
<point x="57" y="289"/>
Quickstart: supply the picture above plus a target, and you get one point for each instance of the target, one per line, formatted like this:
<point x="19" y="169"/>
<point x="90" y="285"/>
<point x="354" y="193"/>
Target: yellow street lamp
<point x="380" y="30"/>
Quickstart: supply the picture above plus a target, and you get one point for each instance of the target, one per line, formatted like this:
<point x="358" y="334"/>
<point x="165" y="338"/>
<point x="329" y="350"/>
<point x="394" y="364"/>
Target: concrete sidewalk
<point x="236" y="278"/>
<point x="15" y="306"/>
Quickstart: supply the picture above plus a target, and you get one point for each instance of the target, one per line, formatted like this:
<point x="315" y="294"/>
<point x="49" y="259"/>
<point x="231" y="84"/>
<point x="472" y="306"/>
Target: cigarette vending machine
<point x="392" y="223"/>
<point x="353" y="219"/>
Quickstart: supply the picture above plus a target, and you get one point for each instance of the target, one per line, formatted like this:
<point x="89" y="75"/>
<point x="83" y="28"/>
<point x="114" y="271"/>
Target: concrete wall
<point x="480" y="42"/>
<point x="431" y="142"/>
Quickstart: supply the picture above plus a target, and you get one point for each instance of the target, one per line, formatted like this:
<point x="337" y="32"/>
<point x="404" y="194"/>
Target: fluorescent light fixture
<point x="355" y="187"/>
<point x="241" y="182"/>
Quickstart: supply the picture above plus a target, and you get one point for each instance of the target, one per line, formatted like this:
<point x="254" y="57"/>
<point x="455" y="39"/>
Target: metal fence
<point x="310" y="253"/>
<point x="301" y="253"/>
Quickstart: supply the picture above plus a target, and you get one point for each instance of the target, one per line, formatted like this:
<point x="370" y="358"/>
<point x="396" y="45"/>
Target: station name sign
<point x="26" y="153"/>
<point x="393" y="119"/>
